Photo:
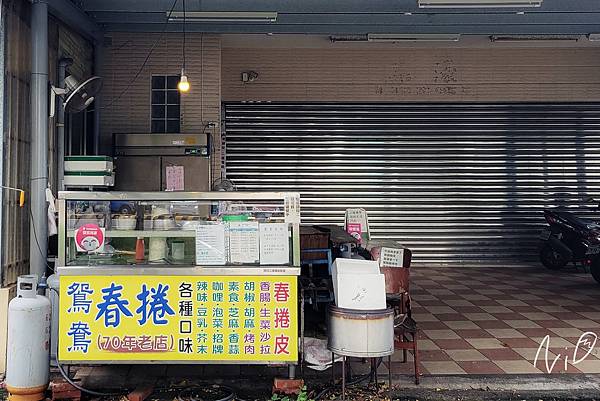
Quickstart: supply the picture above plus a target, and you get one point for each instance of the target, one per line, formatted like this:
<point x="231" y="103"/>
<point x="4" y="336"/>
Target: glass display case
<point x="178" y="277"/>
<point x="178" y="229"/>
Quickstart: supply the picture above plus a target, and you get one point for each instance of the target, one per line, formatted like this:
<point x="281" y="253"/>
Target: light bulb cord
<point x="184" y="34"/>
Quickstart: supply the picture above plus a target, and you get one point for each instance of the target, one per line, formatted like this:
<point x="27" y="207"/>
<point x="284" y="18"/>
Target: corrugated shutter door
<point x="457" y="183"/>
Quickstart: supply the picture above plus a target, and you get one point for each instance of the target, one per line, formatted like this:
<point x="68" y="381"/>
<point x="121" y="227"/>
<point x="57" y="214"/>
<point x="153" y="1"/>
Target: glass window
<point x="165" y="107"/>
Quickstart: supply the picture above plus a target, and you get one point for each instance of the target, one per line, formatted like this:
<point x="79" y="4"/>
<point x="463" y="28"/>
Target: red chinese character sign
<point x="89" y="238"/>
<point x="177" y="318"/>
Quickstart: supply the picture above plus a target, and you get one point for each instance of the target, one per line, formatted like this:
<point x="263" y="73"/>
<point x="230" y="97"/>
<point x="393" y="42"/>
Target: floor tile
<point x="567" y="315"/>
<point x="468" y="309"/>
<point x="499" y="317"/>
<point x="522" y="342"/>
<point x="517" y="367"/>
<point x="530" y="354"/>
<point x="458" y="302"/>
<point x="508" y="316"/>
<point x="455" y="287"/>
<point x="536" y="333"/>
<point x="589" y="366"/>
<point x="485" y="343"/>
<point x="466" y="355"/>
<point x="551" y="308"/>
<point x="475" y="297"/>
<point x="440" y="292"/>
<point x="505" y="333"/>
<point x="488" y="302"/>
<point x="444" y="368"/>
<point x="399" y="357"/>
<point x="450" y="317"/>
<point x="441" y="334"/>
<point x="553" y="324"/>
<point x="431" y="303"/>
<point x="513" y="302"/>
<point x="424" y="317"/>
<point x="501" y="354"/>
<point x="591" y="315"/>
<point x="433" y="355"/>
<point x="555" y="341"/>
<point x="427" y="345"/>
<point x="496" y="309"/>
<point x="480" y="367"/>
<point x="440" y="309"/>
<point x="477" y="333"/>
<point x="479" y="316"/>
<point x="563" y="302"/>
<point x="456" y="343"/>
<point x="583" y="323"/>
<point x="566" y="332"/>
<point x="437" y="325"/>
<point x="492" y="324"/>
<point x="524" y="297"/>
<point x="538" y="316"/>
<point x="462" y="325"/>
<point x="505" y="287"/>
<point x="489" y="292"/>
<point x="522" y="324"/>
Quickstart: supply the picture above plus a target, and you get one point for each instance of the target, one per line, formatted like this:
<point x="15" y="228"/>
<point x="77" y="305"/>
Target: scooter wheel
<point x="551" y="259"/>
<point x="595" y="269"/>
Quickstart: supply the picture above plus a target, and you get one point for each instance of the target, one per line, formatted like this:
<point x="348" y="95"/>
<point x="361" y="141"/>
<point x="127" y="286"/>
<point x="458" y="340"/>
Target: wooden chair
<point x="406" y="332"/>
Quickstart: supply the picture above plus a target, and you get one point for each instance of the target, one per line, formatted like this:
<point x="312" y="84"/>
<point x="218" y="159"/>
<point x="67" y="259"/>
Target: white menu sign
<point x="210" y="245"/>
<point x="274" y="244"/>
<point x="243" y="242"/>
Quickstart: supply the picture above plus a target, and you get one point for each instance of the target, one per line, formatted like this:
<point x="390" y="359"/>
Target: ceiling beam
<point x="353" y="17"/>
<point x="75" y="18"/>
<point x="309" y="6"/>
<point x="350" y="29"/>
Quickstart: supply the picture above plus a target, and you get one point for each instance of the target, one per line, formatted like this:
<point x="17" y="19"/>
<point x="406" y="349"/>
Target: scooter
<point x="569" y="239"/>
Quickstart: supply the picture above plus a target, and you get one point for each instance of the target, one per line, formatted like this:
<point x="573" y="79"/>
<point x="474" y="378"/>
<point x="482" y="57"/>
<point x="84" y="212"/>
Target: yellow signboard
<point x="178" y="318"/>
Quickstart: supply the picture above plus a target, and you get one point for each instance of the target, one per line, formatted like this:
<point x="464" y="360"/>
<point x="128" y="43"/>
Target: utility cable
<point x="354" y="382"/>
<point x="70" y="381"/>
<point x="83" y="389"/>
<point x="184" y="23"/>
<point x="39" y="247"/>
<point x="139" y="72"/>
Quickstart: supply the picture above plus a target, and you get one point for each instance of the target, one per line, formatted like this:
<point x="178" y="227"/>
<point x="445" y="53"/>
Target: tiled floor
<point x="493" y="320"/>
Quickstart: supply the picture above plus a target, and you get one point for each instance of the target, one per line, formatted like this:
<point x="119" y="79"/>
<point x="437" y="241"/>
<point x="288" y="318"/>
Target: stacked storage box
<point x="89" y="171"/>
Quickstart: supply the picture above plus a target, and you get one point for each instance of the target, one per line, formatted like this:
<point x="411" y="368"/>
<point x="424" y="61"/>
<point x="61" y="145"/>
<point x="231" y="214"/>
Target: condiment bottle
<point x="139" y="250"/>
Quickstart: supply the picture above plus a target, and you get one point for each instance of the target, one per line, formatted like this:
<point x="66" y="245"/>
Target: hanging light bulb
<point x="183" y="85"/>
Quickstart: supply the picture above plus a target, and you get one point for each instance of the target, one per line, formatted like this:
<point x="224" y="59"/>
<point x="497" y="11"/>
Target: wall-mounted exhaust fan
<point x="78" y="95"/>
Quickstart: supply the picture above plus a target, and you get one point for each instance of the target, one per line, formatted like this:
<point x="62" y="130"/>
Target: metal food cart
<point x="178" y="277"/>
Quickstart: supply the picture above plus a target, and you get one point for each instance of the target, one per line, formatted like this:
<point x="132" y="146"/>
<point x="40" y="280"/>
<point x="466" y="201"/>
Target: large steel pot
<point x="359" y="333"/>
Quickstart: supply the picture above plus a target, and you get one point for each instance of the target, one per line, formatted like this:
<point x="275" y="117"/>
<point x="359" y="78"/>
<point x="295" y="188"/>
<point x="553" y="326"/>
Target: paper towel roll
<point x="157" y="249"/>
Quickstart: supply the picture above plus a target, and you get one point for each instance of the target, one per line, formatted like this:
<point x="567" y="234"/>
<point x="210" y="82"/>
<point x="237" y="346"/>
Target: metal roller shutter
<point x="457" y="183"/>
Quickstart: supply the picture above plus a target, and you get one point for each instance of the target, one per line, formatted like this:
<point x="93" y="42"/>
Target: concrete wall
<point x="126" y="103"/>
<point x="324" y="71"/>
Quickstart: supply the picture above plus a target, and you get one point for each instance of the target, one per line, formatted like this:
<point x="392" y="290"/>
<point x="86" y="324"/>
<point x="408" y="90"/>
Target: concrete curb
<point x="535" y="382"/>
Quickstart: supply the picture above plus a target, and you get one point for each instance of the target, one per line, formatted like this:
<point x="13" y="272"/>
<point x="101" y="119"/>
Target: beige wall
<point x="403" y="74"/>
<point x="130" y="112"/>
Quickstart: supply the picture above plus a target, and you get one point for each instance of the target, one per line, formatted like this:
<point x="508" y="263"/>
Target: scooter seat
<point x="578" y="222"/>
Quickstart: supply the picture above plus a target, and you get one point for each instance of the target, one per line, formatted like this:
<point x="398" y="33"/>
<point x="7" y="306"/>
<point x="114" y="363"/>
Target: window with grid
<point x="165" y="104"/>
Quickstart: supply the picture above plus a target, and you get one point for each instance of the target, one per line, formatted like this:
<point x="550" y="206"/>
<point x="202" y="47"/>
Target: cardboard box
<point x="358" y="284"/>
<point x="361" y="291"/>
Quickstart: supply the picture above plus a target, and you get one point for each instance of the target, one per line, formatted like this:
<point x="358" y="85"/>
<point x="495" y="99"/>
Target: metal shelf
<point x="144" y="233"/>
